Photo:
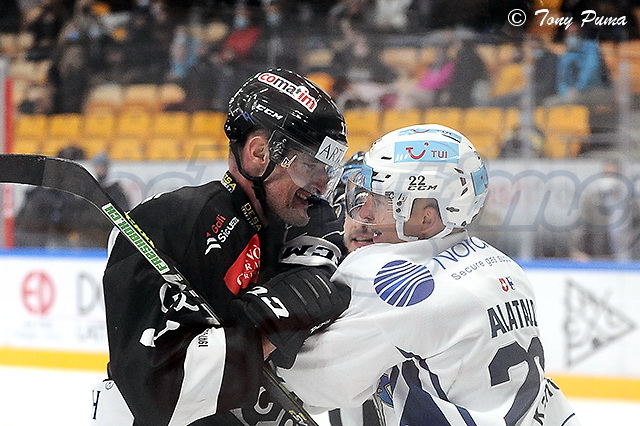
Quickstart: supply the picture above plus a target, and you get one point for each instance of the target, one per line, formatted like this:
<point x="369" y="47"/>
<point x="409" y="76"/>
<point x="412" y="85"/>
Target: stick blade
<point x="57" y="173"/>
<point x="22" y="168"/>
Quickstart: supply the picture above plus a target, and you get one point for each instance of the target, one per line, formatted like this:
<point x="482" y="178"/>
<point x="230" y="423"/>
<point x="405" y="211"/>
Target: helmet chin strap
<point x="400" y="231"/>
<point x="257" y="182"/>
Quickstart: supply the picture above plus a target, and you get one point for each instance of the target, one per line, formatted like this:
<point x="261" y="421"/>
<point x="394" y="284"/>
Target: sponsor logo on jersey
<point x="401" y="283"/>
<point x="246" y="267"/>
<point x="426" y="151"/>
<point x="219" y="232"/>
<point x="464" y="249"/>
<point x="228" y="182"/>
<point x="298" y="93"/>
<point x="252" y="216"/>
<point x="506" y="284"/>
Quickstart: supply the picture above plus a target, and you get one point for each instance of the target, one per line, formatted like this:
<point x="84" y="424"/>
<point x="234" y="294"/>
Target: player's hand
<point x="293" y="305"/>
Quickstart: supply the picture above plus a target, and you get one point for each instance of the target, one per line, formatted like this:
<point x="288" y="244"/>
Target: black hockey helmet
<point x="298" y="115"/>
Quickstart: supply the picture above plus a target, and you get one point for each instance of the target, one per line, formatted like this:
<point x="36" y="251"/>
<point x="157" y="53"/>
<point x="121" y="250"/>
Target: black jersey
<point x="168" y="363"/>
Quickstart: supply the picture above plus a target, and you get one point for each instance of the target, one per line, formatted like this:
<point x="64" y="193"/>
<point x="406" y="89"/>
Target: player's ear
<point x="427" y="217"/>
<point x="256" y="153"/>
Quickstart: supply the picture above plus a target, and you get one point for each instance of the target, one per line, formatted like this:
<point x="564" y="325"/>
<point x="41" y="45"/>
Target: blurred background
<point x="136" y="90"/>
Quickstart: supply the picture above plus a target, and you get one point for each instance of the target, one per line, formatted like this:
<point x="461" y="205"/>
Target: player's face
<point x="356" y="234"/>
<point x="383" y="226"/>
<point x="290" y="186"/>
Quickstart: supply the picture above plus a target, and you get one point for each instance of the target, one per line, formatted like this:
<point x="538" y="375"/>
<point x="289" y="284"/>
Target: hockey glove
<point x="293" y="305"/>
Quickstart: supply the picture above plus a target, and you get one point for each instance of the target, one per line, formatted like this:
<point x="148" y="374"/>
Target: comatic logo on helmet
<point x="299" y="93"/>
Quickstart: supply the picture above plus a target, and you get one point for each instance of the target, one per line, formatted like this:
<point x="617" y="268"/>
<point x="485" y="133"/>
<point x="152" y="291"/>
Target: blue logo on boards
<point x="401" y="283"/>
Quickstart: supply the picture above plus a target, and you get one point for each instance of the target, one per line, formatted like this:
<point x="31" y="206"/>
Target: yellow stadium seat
<point x="133" y="123"/>
<point x="141" y="96"/>
<point x="509" y="79"/>
<point x="22" y="145"/>
<point x="66" y="126"/>
<point x="450" y="117"/>
<point x="363" y="124"/>
<point x="208" y="124"/>
<point x="170" y="94"/>
<point x="483" y="120"/>
<point x="358" y="143"/>
<point x="127" y="149"/>
<point x="105" y="97"/>
<point x="99" y="124"/>
<point x="164" y="148"/>
<point x="32" y="126"/>
<point x="203" y="148"/>
<point x="568" y="119"/>
<point x="53" y="145"/>
<point x="93" y="145"/>
<point x="393" y="119"/>
<point x="484" y="127"/>
<point x="565" y="127"/>
<point x="488" y="145"/>
<point x="170" y="124"/>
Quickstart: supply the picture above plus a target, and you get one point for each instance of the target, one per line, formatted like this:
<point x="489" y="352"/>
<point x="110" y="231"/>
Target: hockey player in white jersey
<point x="442" y="328"/>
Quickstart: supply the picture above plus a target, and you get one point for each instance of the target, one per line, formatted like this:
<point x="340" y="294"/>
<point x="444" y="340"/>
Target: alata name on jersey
<point x="512" y="315"/>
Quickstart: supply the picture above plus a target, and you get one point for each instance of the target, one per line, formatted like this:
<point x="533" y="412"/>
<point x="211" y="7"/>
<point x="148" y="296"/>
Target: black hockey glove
<point x="291" y="306"/>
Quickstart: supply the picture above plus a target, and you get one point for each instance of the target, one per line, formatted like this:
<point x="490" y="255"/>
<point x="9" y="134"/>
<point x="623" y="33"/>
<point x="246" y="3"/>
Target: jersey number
<point x="510" y="356"/>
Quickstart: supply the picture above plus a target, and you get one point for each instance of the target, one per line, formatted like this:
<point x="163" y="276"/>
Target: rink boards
<point x="52" y="316"/>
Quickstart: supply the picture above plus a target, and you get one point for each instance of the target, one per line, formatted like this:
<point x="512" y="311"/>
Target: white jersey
<point x="442" y="332"/>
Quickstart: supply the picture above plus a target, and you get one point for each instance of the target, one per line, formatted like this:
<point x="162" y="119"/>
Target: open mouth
<point x="304" y="196"/>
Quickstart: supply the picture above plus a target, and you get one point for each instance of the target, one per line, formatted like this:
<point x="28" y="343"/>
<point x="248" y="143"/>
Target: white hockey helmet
<point x="422" y="161"/>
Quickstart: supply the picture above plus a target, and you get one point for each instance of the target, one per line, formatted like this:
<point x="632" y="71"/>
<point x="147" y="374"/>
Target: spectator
<point x="240" y="42"/>
<point x="10" y="17"/>
<point x="357" y="62"/>
<point x="582" y="75"/>
<point x="544" y="75"/>
<point x="69" y="79"/>
<point x="432" y="85"/>
<point x="96" y="228"/>
<point x="514" y="144"/>
<point x="391" y="15"/>
<point x="469" y="76"/>
<point x="48" y="217"/>
<point x="183" y="52"/>
<point x="45" y="22"/>
<point x="607" y="208"/>
<point x="280" y="40"/>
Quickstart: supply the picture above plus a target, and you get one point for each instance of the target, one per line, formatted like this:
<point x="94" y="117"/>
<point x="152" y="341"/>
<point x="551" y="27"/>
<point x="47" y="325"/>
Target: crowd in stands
<point x="367" y="53"/>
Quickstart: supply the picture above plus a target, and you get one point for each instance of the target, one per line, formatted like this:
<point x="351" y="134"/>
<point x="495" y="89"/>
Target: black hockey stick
<point x="72" y="177"/>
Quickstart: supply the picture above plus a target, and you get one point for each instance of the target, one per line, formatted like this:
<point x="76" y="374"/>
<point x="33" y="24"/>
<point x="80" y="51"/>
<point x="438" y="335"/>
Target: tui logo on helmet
<point x="298" y="93"/>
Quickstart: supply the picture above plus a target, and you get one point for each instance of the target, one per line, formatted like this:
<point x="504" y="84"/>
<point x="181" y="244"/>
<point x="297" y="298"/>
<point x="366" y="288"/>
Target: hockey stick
<point x="72" y="177"/>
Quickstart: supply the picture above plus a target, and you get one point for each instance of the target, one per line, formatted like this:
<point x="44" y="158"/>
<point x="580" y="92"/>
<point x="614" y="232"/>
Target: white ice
<point x="36" y="397"/>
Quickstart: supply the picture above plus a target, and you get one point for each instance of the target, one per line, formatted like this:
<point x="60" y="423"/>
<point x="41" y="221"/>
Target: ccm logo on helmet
<point x="297" y="93"/>
<point x="268" y="111"/>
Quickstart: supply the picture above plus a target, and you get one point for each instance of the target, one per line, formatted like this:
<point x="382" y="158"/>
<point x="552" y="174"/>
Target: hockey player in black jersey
<point x="168" y="365"/>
